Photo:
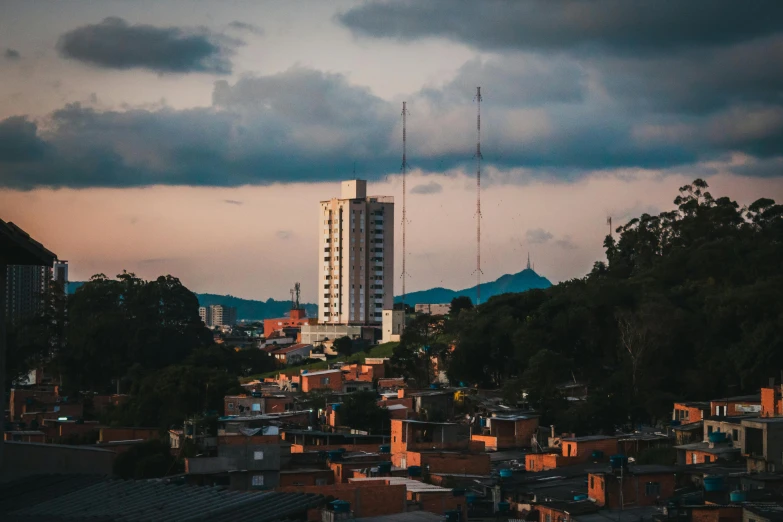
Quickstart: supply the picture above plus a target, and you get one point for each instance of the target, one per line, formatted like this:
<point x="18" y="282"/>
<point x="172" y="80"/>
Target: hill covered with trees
<point x="687" y="306"/>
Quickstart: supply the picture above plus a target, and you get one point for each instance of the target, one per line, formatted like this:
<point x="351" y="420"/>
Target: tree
<point x="150" y="459"/>
<point x="360" y="411"/>
<point x="343" y="345"/>
<point x="458" y="304"/>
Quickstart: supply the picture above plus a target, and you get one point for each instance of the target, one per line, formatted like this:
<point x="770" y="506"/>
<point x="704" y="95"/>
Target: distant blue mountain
<point x="510" y="283"/>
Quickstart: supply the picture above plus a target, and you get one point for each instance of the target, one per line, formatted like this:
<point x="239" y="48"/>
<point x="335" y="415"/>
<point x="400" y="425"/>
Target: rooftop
<point x="706" y="448"/>
<point x="694" y="404"/>
<point x="414" y="486"/>
<point x="589" y="438"/>
<point x="770" y="511"/>
<point x="749" y="398"/>
<point x="293" y="348"/>
<point x="411" y="421"/>
<point x="82" y="497"/>
<point x="321" y="372"/>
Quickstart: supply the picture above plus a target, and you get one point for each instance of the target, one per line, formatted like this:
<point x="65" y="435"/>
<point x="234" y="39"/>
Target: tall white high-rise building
<point x="356" y="256"/>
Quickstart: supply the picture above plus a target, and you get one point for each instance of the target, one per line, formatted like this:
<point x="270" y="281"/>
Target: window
<point x="652" y="489"/>
<point x="548" y="517"/>
<point x="707" y="459"/>
<point x="325" y="380"/>
<point x="255" y="407"/>
<point x="735" y="435"/>
<point x="709" y="430"/>
<point x="258" y="480"/>
<point x="258" y="455"/>
<point x="592" y="482"/>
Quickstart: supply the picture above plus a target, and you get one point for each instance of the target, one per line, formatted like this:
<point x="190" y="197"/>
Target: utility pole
<point x="478" y="157"/>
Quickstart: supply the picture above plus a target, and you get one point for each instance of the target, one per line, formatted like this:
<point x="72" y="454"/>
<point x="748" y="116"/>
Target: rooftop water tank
<point x="713" y="483"/>
<point x="717" y="437"/>
<point x="470" y="498"/>
<point x="503" y="506"/>
<point x="414" y="471"/>
<point x="506" y="473"/>
<point x="340" y="506"/>
<point x="384" y="448"/>
<point x="384" y="467"/>
<point x="580" y="497"/>
<point x="618" y="461"/>
<point x="597" y="455"/>
<point x="738" y="496"/>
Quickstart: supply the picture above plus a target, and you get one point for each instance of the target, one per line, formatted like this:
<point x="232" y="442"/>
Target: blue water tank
<point x="334" y="455"/>
<point x="580" y="497"/>
<point x="461" y="384"/>
<point x="717" y="437"/>
<point x="414" y="471"/>
<point x="256" y="394"/>
<point x="336" y="406"/>
<point x="384" y="467"/>
<point x="340" y="506"/>
<point x="618" y="461"/>
<point x="482" y="422"/>
<point x="713" y="483"/>
<point x="675" y="423"/>
<point x="384" y="448"/>
<point x="341" y="450"/>
<point x="597" y="455"/>
<point x="434" y="386"/>
<point x="304" y="372"/>
<point x="470" y="498"/>
<point x="738" y="496"/>
<point x="506" y="473"/>
<point x="503" y="506"/>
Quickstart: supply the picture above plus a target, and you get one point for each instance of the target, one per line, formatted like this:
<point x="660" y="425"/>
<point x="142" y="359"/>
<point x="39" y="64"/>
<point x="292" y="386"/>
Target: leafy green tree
<point x="458" y="304"/>
<point x="360" y="411"/>
<point x="343" y="345"/>
<point x="151" y="459"/>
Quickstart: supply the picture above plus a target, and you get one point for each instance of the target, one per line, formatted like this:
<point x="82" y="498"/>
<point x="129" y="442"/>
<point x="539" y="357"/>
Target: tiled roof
<point x="293" y="348"/>
<point x="78" y="497"/>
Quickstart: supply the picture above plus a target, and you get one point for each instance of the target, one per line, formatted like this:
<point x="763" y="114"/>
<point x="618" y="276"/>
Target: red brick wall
<point x="701" y="457"/>
<point x="490" y="442"/>
<point x="299" y="448"/>
<point x="439" y="503"/>
<point x="277" y="404"/>
<point x="113" y="434"/>
<point x="693" y="414"/>
<point x="471" y="464"/>
<point x="769" y="406"/>
<point x="583" y="449"/>
<point x="555" y="515"/>
<point x="544" y="461"/>
<point x="368" y="499"/>
<point x="315" y="382"/>
<point x="307" y="478"/>
<point x="732" y="407"/>
<point x="716" y="514"/>
<point x="605" y="489"/>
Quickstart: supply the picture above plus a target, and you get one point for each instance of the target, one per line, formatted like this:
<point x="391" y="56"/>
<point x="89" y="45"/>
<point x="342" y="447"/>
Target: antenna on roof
<point x="478" y="157"/>
<point x="404" y="168"/>
<point x="296" y="291"/>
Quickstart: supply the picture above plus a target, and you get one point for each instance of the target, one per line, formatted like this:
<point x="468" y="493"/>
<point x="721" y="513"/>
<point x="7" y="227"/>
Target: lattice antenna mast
<point x="297" y="290"/>
<point x="479" y="157"/>
<point x="404" y="168"/>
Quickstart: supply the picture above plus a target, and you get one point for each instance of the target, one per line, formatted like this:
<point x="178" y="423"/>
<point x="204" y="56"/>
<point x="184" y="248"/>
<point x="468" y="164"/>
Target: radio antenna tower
<point x="478" y="195"/>
<point x="609" y="222"/>
<point x="404" y="169"/>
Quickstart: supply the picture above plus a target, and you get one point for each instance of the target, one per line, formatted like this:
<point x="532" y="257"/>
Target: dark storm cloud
<point x="19" y="142"/>
<point x="115" y="44"/>
<point x="624" y="27"/>
<point x="12" y="54"/>
<point x="428" y="188"/>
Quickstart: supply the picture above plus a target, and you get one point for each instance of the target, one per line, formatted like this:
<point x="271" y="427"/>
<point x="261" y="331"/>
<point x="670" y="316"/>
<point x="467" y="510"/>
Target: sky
<point x="196" y="138"/>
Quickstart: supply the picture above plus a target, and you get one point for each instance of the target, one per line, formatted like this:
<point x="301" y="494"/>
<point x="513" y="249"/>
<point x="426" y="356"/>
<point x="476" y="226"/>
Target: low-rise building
<point x="411" y="435"/>
<point x="297" y="317"/>
<point x="640" y="485"/>
<point x="762" y="444"/>
<point x="433" y="309"/>
<point x="293" y="354"/>
<point x="734" y="406"/>
<point x="693" y="411"/>
<point x="507" y="431"/>
<point x="433" y="405"/>
<point x="321" y="380"/>
<point x="253" y="404"/>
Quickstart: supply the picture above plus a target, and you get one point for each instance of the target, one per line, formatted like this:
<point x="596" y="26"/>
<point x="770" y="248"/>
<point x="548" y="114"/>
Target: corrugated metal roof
<point x="74" y="497"/>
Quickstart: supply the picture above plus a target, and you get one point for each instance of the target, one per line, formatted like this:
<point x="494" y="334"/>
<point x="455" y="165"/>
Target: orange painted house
<point x="687" y="412"/>
<point x="298" y="317"/>
<point x="641" y="486"/>
<point x="411" y="435"/>
<point x="505" y="432"/>
<point x="321" y="380"/>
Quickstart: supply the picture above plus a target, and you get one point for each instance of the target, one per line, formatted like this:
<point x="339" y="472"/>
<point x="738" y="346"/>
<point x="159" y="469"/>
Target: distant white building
<point x="218" y="315"/>
<point x="433" y="309"/>
<point x="392" y="325"/>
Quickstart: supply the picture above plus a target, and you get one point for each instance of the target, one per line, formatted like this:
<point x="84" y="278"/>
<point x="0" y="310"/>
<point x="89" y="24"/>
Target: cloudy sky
<point x="197" y="137"/>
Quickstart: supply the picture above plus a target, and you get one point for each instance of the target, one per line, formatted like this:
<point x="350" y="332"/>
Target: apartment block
<point x="356" y="256"/>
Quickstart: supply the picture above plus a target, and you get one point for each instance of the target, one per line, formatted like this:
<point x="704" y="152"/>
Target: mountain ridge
<point x="522" y="281"/>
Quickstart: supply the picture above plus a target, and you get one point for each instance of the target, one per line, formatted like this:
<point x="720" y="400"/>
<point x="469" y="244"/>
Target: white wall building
<point x="392" y="325"/>
<point x="356" y="257"/>
<point x="433" y="309"/>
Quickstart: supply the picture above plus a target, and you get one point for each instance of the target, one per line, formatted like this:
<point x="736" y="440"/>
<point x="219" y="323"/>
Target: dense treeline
<point x="143" y="338"/>
<point x="688" y="306"/>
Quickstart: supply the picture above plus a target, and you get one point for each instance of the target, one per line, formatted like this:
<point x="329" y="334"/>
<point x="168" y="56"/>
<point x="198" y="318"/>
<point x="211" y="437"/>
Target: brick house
<point x="762" y="444"/>
<point x="254" y="405"/>
<point x="573" y="450"/>
<point x="731" y="406"/>
<point x="321" y="380"/>
<point x="687" y="412"/>
<point x="772" y="400"/>
<point x="293" y="354"/>
<point x="297" y="317"/>
<point x="507" y="431"/>
<point x="411" y="435"/>
<point x="641" y="486"/>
